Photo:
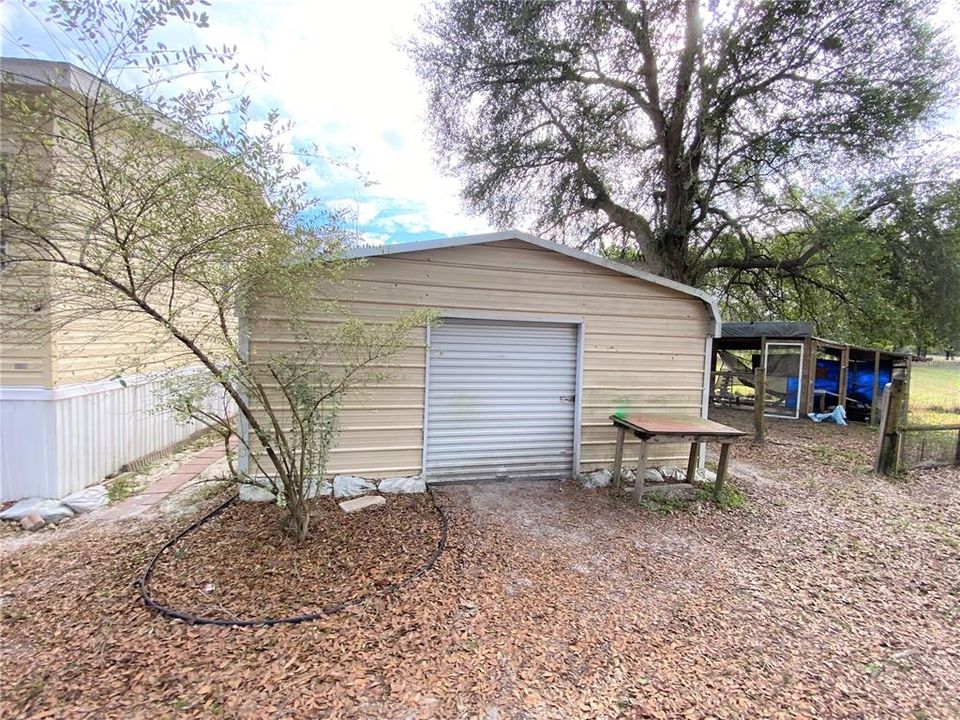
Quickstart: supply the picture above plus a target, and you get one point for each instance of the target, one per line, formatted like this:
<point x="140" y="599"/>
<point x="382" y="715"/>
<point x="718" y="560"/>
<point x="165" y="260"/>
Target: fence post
<point x="888" y="455"/>
<point x="759" y="402"/>
<point x="956" y="455"/>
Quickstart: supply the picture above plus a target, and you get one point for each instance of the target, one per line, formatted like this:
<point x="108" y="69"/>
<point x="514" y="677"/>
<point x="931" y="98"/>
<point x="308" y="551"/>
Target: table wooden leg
<point x="692" y="462"/>
<point x="641" y="471"/>
<point x="618" y="459"/>
<point x="721" y="470"/>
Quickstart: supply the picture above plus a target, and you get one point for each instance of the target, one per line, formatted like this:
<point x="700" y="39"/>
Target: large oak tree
<point x="682" y="133"/>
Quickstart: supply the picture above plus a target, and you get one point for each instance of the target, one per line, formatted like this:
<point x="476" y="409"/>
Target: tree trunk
<point x="297" y="522"/>
<point x="679" y="182"/>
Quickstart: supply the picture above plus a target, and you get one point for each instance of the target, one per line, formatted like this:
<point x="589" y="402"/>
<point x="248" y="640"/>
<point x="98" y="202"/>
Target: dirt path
<point x="831" y="594"/>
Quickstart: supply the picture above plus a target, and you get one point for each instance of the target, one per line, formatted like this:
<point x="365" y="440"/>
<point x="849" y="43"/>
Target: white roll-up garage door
<point x="500" y="400"/>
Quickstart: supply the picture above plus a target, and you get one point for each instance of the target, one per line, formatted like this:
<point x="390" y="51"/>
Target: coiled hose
<point x="144" y="582"/>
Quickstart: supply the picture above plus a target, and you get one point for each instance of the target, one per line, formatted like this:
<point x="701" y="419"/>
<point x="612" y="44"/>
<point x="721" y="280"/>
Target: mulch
<point x="832" y="594"/>
<point x="239" y="565"/>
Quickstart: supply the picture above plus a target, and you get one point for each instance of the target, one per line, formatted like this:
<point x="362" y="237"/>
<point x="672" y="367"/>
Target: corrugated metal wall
<point x="54" y="445"/>
<point x="643" y="344"/>
<point x="501" y="400"/>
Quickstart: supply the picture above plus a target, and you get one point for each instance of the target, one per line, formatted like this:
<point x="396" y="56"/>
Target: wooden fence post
<point x="759" y="402"/>
<point x="894" y="410"/>
<point x="956" y="454"/>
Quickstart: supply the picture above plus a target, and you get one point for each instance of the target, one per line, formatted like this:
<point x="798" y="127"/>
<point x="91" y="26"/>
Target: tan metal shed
<point x="538" y="344"/>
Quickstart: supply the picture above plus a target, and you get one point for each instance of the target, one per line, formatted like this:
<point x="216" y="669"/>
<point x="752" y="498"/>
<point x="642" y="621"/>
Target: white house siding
<point x="56" y="441"/>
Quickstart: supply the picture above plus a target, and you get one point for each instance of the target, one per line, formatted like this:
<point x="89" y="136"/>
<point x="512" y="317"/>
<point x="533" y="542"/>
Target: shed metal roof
<point x="744" y="332"/>
<point x="774" y="329"/>
<point x="399" y="248"/>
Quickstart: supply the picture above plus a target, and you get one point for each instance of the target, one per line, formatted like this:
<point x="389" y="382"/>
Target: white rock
<point x="361" y="503"/>
<point x="402" y="485"/>
<point x="87" y="500"/>
<point x="597" y="478"/>
<point x="351" y="486"/>
<point x="32" y="522"/>
<point x="652" y="475"/>
<point x="262" y="493"/>
<point x="706" y="476"/>
<point x="672" y="472"/>
<point x="52" y="511"/>
<point x="324" y="489"/>
<point x="21" y="508"/>
<point x="255" y="493"/>
<point x="627" y="475"/>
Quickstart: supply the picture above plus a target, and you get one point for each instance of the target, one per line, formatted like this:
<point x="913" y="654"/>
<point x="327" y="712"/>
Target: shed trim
<point x="426" y="403"/>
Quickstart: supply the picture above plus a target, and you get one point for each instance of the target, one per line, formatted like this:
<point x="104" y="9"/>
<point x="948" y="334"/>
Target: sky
<point x="337" y="68"/>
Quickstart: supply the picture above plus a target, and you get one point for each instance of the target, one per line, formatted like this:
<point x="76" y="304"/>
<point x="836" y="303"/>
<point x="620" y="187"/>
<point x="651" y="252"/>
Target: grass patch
<point x="935" y="394"/>
<point x="663" y="504"/>
<point x="209" y="489"/>
<point x="730" y="496"/>
<point x="121" y="487"/>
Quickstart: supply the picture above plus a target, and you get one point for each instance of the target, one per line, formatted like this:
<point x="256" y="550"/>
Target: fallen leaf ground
<point x="831" y="594"/>
<point x="238" y="565"/>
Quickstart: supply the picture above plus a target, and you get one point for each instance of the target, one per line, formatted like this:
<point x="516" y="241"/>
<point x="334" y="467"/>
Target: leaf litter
<point x="831" y="593"/>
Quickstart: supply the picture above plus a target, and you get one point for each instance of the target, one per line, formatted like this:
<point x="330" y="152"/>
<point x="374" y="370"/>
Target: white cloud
<point x="338" y="71"/>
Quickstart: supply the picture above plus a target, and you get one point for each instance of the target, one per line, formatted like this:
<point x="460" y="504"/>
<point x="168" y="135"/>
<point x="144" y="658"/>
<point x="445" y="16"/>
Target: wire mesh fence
<point x="921" y="447"/>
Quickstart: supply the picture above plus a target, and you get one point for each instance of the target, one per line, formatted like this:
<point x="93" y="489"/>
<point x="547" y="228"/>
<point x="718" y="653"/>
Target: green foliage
<point x="663" y="504"/>
<point x="679" y="133"/>
<point x="730" y="497"/>
<point x="888" y="279"/>
<point x="165" y="209"/>
<point x="121" y="487"/>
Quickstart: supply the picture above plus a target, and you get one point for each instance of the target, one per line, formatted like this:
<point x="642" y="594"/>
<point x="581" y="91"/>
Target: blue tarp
<point x="859" y="379"/>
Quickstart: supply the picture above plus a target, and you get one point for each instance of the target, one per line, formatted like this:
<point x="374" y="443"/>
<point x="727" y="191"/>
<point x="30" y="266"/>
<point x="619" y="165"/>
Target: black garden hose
<point x="144" y="580"/>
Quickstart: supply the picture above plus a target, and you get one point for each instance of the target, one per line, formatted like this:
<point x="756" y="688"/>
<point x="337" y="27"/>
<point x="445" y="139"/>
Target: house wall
<point x="25" y="341"/>
<point x="25" y="350"/>
<point x="644" y="344"/>
<point x="105" y="344"/>
<point x="81" y="333"/>
<point x="65" y="420"/>
<point x="56" y="441"/>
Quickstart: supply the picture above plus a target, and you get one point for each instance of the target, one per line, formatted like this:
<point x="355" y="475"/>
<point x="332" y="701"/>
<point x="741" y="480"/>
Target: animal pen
<point x="803" y="373"/>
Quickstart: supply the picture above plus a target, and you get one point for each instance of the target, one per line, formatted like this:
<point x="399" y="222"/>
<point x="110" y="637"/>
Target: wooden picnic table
<point x="655" y="428"/>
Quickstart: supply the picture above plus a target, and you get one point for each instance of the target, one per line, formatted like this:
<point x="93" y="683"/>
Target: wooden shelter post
<point x="844" y="368"/>
<point x="714" y="352"/>
<point x="810" y="380"/>
<point x="618" y="460"/>
<point x="759" y="402"/>
<point x="641" y="471"/>
<point x="875" y="400"/>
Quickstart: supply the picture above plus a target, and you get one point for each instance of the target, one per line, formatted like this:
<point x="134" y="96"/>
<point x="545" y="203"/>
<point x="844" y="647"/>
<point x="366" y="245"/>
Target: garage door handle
<point x="568" y="398"/>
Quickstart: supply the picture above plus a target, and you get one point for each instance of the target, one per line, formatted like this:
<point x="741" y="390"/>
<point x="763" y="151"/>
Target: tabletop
<point x="657" y="424"/>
